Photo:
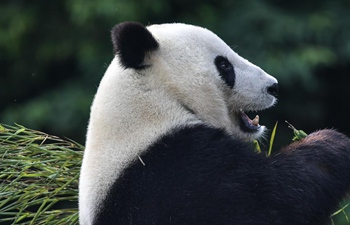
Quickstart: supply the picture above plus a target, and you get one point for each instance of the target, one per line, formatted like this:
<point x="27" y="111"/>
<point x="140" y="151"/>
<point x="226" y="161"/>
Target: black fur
<point x="131" y="41"/>
<point x="226" y="70"/>
<point x="201" y="176"/>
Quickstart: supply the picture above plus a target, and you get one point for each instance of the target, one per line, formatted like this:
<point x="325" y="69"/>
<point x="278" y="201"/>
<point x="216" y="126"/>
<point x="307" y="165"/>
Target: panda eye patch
<point x="226" y="70"/>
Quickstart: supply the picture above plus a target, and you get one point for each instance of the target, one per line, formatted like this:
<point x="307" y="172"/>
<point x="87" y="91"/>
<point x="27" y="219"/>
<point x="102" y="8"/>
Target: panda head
<point x="195" y="68"/>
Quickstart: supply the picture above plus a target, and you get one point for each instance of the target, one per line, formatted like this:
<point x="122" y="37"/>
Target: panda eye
<point x="223" y="64"/>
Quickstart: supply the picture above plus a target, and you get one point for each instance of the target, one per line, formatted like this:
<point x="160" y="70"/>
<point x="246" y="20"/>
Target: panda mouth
<point x="248" y="125"/>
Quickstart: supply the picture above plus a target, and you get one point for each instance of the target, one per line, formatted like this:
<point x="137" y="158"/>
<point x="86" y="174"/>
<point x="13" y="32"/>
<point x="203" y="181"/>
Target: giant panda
<point x="169" y="141"/>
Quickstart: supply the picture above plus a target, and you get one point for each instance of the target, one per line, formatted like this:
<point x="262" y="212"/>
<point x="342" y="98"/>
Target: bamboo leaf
<point x="38" y="171"/>
<point x="272" y="139"/>
<point x="257" y="146"/>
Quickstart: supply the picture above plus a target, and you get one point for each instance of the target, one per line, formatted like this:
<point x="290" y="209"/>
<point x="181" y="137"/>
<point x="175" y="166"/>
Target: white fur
<point x="132" y="109"/>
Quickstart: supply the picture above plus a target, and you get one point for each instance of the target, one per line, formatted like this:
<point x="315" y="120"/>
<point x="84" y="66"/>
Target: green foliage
<point x="39" y="177"/>
<point x="339" y="211"/>
<point x="291" y="42"/>
<point x="298" y="134"/>
<point x="272" y="139"/>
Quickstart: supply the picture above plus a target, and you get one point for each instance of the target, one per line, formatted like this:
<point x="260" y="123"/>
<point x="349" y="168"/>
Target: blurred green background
<point x="54" y="53"/>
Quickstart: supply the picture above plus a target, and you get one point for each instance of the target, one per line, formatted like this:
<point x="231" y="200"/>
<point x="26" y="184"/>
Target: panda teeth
<point x="248" y="125"/>
<point x="255" y="121"/>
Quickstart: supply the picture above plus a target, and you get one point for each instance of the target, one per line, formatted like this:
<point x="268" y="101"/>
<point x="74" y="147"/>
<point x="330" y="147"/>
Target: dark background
<point x="54" y="53"/>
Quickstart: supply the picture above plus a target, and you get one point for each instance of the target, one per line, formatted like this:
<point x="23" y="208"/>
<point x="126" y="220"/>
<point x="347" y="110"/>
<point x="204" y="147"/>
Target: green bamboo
<point x="38" y="177"/>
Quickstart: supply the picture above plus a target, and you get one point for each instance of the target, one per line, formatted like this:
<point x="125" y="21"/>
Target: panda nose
<point x="273" y="89"/>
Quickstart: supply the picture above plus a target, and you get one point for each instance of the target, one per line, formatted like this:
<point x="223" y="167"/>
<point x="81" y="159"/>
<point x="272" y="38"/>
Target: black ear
<point x="131" y="41"/>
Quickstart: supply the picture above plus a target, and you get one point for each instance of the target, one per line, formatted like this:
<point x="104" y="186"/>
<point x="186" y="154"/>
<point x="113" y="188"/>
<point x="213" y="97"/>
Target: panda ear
<point x="131" y="41"/>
